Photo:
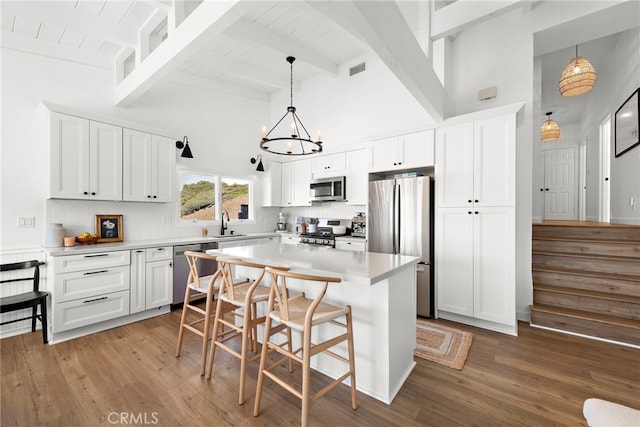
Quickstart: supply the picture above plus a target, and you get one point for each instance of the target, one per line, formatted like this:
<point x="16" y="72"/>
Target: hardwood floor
<point x="129" y="375"/>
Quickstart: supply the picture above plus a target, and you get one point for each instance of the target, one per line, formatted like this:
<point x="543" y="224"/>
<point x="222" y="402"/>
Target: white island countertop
<point x="355" y="267"/>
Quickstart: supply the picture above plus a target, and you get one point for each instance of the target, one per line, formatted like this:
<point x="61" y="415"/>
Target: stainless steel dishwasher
<point x="181" y="267"/>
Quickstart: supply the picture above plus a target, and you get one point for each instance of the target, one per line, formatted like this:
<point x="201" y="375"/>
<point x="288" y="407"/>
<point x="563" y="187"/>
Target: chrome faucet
<point x="222" y="224"/>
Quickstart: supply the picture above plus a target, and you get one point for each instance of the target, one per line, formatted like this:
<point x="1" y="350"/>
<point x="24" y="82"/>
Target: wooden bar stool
<point x="301" y="313"/>
<point x="231" y="298"/>
<point x="198" y="288"/>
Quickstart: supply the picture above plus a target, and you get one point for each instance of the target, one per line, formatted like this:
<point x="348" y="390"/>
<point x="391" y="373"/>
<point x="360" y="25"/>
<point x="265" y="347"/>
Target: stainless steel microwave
<point x="328" y="189"/>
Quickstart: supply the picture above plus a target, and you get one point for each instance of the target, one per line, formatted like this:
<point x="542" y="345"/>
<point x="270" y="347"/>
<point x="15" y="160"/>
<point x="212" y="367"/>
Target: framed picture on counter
<point x="109" y="228"/>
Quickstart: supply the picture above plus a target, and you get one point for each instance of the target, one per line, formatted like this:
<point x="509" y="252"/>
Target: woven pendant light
<point x="550" y="131"/>
<point x="578" y="77"/>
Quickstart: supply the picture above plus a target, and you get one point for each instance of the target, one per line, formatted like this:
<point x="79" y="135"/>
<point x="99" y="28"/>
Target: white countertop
<point x="139" y="244"/>
<point x="357" y="267"/>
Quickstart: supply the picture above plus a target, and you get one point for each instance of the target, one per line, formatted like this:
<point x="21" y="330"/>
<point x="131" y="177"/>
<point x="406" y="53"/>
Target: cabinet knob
<point x="476" y="212"/>
<point x="399" y="163"/>
<point x="86" y="193"/>
<point x="148" y="196"/>
<point x="155" y="197"/>
<point x="93" y="193"/>
<point x="470" y="201"/>
<point x="546" y="189"/>
<point x="469" y="212"/>
<point x="476" y="200"/>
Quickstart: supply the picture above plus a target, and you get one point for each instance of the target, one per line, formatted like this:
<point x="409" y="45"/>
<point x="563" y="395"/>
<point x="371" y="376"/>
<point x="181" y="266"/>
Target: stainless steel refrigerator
<point x="400" y="222"/>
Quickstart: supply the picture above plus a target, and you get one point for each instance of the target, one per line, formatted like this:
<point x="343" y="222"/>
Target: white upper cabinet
<point x="476" y="163"/>
<point x="357" y="177"/>
<point x="149" y="167"/>
<point x="300" y="179"/>
<point x="414" y="150"/>
<point x="329" y="165"/>
<point x="286" y="185"/>
<point x="86" y="159"/>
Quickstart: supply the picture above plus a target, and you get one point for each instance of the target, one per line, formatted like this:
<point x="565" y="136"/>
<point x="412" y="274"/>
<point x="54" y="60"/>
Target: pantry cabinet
<point x="149" y="167"/>
<point x="414" y="150"/>
<point x="85" y="159"/>
<point x="475" y="222"/>
<point x="476" y="163"/>
<point x="151" y="278"/>
<point x="476" y="263"/>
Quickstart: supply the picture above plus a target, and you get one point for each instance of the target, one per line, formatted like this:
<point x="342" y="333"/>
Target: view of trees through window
<point x="198" y="195"/>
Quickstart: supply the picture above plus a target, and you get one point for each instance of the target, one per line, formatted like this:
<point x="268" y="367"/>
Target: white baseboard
<point x="536" y="220"/>
<point x="629" y="221"/>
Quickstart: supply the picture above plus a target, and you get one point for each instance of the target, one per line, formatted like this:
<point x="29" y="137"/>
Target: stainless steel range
<point x="322" y="237"/>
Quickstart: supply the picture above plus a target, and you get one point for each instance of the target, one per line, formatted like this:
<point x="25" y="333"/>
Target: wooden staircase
<point x="586" y="279"/>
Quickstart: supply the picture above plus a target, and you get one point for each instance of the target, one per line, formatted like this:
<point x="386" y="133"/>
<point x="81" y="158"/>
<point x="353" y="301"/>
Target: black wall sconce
<point x="185" y="144"/>
<point x="258" y="159"/>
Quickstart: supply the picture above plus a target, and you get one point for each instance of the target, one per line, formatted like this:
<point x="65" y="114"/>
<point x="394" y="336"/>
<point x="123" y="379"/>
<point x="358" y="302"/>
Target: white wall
<point x="223" y="133"/>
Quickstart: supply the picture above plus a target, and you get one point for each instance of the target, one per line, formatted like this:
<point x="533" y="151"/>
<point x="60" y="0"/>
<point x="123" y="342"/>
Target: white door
<point x="560" y="184"/>
<point x="137" y="166"/>
<point x="454" y="260"/>
<point x="159" y="281"/>
<point x="69" y="157"/>
<point x="105" y="161"/>
<point x="454" y="170"/>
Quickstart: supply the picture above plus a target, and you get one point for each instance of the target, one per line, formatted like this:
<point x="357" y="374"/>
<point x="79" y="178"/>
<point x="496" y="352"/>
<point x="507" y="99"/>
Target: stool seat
<point x="258" y="294"/>
<point x="298" y="307"/>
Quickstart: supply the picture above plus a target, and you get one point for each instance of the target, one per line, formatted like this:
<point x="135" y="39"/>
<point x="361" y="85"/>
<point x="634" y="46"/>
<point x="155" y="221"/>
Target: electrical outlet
<point x="26" y="222"/>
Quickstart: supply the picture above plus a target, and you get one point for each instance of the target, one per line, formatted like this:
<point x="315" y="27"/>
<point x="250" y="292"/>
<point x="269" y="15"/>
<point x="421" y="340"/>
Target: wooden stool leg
<point x="306" y="376"/>
<point x="247" y="338"/>
<point x="205" y="335"/>
<point x="216" y="325"/>
<point x="183" y="320"/>
<point x="352" y="366"/>
<point x="263" y="365"/>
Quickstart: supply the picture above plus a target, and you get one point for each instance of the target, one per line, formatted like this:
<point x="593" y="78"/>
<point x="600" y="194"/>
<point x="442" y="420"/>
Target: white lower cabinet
<point x="475" y="263"/>
<point x="351" y="245"/>
<point x="90" y="288"/>
<point x="86" y="311"/>
<point x="151" y="278"/>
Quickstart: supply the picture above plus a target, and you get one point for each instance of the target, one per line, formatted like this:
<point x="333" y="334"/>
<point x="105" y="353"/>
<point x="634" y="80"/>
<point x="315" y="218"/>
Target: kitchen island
<point x="381" y="289"/>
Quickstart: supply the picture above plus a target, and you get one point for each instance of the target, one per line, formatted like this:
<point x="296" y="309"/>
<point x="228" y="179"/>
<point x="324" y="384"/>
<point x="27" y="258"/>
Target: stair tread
<point x="584" y="292"/>
<point x="582" y="255"/>
<point x="587" y="240"/>
<point x="633" y="278"/>
<point x="585" y="315"/>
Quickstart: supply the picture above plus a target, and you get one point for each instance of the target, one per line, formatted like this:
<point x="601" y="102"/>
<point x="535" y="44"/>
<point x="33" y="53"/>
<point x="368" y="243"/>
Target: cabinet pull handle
<point x="94" y="256"/>
<point x="93" y="300"/>
<point x="160" y="249"/>
<point x="170" y="264"/>
<point x="95" y="272"/>
<point x="139" y="252"/>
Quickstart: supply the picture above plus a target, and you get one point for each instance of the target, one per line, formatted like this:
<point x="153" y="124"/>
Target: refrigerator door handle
<point x="396" y="219"/>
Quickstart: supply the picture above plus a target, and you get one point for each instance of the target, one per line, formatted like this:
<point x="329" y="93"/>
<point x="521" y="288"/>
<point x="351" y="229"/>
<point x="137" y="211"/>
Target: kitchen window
<point x="203" y="197"/>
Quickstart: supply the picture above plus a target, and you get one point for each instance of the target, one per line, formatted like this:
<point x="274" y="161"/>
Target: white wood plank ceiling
<point x="240" y="47"/>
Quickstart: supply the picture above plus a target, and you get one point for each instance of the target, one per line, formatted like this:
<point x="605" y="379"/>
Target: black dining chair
<point x="24" y="300"/>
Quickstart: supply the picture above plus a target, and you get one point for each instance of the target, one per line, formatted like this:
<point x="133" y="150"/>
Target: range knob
<point x="303" y="240"/>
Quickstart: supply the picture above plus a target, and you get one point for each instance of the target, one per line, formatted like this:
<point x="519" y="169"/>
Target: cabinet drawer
<point x="66" y="264"/>
<point x="350" y="246"/>
<point x="86" y="311"/>
<point x="159" y="254"/>
<point x="84" y="284"/>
